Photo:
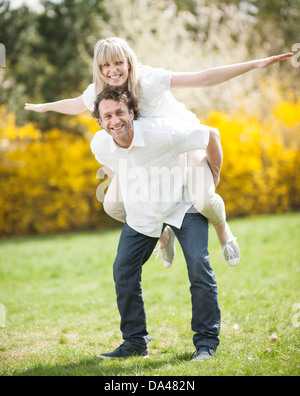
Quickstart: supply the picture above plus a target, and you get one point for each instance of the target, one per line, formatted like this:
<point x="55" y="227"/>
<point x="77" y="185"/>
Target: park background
<point x="47" y="173"/>
<point x="53" y="281"/>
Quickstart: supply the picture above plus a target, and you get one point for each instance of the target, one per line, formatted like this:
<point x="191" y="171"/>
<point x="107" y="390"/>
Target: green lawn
<point x="59" y="297"/>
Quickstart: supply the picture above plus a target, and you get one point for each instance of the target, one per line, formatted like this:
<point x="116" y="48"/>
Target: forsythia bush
<point x="48" y="180"/>
<point x="260" y="172"/>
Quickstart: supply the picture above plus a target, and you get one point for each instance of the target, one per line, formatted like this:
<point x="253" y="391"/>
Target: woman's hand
<point x="262" y="63"/>
<point x="38" y="108"/>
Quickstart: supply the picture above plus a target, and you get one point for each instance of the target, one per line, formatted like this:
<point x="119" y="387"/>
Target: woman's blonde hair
<point x="115" y="49"/>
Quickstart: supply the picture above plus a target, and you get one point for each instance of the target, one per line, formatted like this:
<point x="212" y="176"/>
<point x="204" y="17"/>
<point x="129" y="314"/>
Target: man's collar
<point x="137" y="141"/>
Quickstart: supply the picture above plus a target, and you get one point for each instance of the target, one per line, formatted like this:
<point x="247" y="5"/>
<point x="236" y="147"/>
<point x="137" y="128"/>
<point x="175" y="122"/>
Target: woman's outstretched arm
<point x="218" y="75"/>
<point x="68" y="106"/>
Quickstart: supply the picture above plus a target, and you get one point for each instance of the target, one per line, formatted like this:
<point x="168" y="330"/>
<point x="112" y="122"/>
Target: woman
<point x="115" y="64"/>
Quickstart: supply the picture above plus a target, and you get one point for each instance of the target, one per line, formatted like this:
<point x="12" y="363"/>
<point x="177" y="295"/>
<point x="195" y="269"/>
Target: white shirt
<point x="156" y="99"/>
<point x="152" y="171"/>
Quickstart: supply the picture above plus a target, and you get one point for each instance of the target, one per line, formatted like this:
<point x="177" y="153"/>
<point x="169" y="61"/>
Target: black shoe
<point x="124" y="351"/>
<point x="203" y="353"/>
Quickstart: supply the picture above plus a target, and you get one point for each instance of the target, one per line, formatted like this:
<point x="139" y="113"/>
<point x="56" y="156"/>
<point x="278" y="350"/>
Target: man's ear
<point x="99" y="122"/>
<point x="132" y="115"/>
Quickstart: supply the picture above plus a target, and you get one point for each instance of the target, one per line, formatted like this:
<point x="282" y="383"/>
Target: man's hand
<point x="262" y="63"/>
<point x="215" y="170"/>
<point x="214" y="155"/>
<point x="216" y="179"/>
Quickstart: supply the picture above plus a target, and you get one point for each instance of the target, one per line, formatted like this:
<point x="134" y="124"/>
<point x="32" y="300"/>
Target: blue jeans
<point x="135" y="249"/>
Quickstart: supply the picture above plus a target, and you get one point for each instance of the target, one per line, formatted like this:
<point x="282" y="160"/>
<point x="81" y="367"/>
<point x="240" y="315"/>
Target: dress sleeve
<point x="89" y="97"/>
<point x="154" y="81"/>
<point x="189" y="138"/>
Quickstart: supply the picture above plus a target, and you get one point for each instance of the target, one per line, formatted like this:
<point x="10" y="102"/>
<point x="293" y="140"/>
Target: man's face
<point x="117" y="121"/>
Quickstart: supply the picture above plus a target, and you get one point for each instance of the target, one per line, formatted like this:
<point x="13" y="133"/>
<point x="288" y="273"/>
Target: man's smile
<point x="117" y="128"/>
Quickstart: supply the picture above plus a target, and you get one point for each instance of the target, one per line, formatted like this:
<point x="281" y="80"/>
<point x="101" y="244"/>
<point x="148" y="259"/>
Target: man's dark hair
<point x="118" y="95"/>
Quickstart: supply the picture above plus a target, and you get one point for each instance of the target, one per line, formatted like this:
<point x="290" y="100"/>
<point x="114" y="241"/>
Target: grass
<point x="59" y="297"/>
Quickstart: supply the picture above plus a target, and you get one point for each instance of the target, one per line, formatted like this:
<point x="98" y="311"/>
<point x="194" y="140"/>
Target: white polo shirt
<point x="152" y="172"/>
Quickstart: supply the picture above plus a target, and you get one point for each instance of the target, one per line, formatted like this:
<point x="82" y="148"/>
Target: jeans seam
<point x="142" y="259"/>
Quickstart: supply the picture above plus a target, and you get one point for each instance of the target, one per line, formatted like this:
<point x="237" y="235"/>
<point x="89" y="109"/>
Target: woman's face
<point x="115" y="73"/>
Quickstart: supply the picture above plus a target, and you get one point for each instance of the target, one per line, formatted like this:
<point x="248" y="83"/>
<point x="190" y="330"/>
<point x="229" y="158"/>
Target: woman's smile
<point x="115" y="77"/>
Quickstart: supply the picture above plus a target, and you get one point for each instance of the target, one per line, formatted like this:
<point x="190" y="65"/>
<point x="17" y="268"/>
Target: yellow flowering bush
<point x="260" y="172"/>
<point x="48" y="180"/>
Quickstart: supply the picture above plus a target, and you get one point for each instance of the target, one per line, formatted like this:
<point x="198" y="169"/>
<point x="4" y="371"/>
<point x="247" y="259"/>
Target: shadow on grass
<point x="94" y="366"/>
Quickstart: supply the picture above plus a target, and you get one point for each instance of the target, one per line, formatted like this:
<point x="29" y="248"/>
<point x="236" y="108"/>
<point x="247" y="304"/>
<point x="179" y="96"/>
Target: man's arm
<point x="109" y="172"/>
<point x="202" y="137"/>
<point x="214" y="154"/>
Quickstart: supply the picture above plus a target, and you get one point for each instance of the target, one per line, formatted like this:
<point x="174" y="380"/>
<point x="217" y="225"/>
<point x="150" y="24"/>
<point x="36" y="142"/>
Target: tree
<point x="49" y="54"/>
<point x="276" y="21"/>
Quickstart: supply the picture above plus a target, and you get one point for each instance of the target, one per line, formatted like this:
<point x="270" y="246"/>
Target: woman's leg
<point x="202" y="189"/>
<point x="113" y="203"/>
<point x="114" y="207"/>
<point x="204" y="198"/>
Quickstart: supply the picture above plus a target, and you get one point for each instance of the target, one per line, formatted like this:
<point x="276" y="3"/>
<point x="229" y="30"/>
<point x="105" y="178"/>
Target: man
<point x="146" y="155"/>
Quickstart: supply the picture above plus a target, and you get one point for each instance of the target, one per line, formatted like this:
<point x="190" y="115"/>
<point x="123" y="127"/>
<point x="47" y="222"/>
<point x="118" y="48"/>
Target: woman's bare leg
<point x="209" y="204"/>
<point x="114" y="207"/>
